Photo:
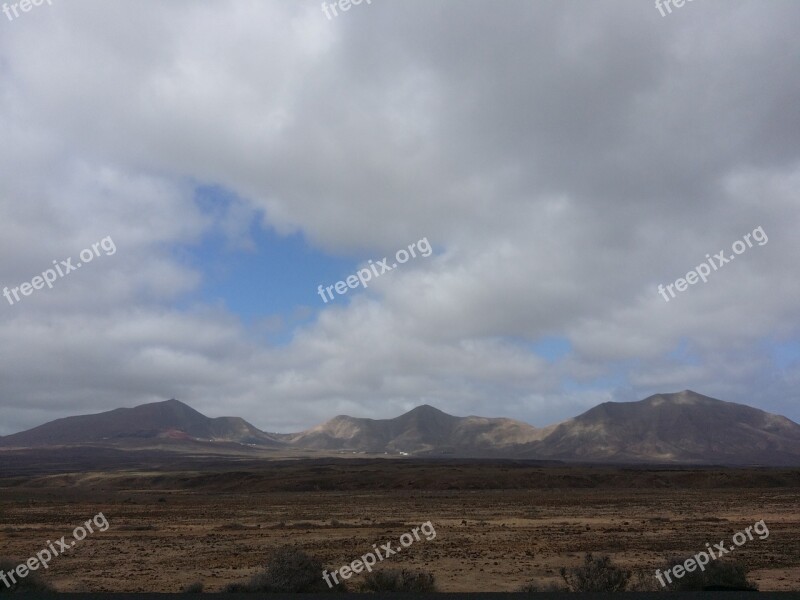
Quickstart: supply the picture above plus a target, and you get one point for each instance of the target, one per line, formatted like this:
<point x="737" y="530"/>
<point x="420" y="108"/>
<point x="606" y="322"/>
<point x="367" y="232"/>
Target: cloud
<point x="563" y="159"/>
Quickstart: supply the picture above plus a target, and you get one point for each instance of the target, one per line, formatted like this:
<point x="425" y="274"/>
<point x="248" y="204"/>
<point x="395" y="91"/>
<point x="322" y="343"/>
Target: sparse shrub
<point x="596" y="575"/>
<point x="290" y="570"/>
<point x="718" y="575"/>
<point x="194" y="588"/>
<point x="237" y="588"/>
<point x="535" y="586"/>
<point x="399" y="580"/>
<point x="644" y="581"/>
<point x="30" y="584"/>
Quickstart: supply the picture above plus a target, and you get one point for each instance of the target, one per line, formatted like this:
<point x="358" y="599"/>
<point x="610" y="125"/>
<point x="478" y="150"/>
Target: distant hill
<point x="423" y="430"/>
<point x="685" y="427"/>
<point x="169" y="420"/>
<point x="680" y="428"/>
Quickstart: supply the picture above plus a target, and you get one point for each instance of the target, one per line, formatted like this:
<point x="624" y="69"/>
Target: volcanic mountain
<point x="169" y="420"/>
<point x="680" y="428"/>
<point x="684" y="427"/>
<point x="423" y="430"/>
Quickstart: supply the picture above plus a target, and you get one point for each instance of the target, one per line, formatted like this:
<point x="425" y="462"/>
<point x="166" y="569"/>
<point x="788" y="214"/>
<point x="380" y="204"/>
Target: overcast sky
<point x="562" y="158"/>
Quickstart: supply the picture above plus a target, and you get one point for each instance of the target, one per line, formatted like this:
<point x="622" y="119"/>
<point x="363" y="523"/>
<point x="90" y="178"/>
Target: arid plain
<point x="499" y="524"/>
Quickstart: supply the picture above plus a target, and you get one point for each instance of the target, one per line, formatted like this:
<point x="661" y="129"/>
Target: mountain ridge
<point x="424" y="429"/>
<point x="677" y="428"/>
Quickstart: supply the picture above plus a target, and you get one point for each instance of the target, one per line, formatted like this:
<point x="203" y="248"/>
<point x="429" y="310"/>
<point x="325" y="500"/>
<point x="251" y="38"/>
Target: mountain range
<point x="680" y="428"/>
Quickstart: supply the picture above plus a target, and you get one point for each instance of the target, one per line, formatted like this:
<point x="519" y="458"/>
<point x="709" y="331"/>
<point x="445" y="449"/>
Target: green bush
<point x="596" y="575"/>
<point x="399" y="580"/>
<point x="290" y="570"/>
<point x="30" y="584"/>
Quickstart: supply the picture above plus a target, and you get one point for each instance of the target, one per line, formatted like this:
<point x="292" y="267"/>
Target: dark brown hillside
<point x="685" y="427"/>
<point x="171" y="420"/>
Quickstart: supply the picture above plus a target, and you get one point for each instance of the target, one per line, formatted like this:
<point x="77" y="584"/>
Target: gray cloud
<point x="564" y="158"/>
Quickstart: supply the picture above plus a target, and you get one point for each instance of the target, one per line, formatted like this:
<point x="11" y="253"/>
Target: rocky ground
<point x="504" y="525"/>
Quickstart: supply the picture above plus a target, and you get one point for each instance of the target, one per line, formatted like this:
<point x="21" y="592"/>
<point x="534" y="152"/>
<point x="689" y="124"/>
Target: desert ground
<point x="177" y="519"/>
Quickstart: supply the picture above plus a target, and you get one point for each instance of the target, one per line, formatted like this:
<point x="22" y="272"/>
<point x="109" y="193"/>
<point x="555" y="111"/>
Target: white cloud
<point x="564" y="159"/>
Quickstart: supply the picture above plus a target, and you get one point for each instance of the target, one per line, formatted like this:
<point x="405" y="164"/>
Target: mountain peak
<point x="171" y="402"/>
<point x="677" y="427"/>
<point x="684" y="397"/>
<point x="426" y="409"/>
<point x="422" y="430"/>
<point x="152" y="421"/>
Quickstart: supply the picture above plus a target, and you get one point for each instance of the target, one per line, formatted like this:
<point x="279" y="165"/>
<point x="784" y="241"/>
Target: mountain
<point x="680" y="428"/>
<point x="169" y="421"/>
<point x="684" y="427"/>
<point x="423" y="430"/>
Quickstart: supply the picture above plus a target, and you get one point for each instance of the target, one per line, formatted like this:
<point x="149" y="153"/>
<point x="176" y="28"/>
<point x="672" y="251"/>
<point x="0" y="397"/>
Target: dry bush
<point x="30" y="584"/>
<point x="535" y="586"/>
<point x="399" y="580"/>
<point x="644" y="581"/>
<point x="596" y="575"/>
<point x="290" y="570"/>
<point x="719" y="575"/>
<point x="193" y="588"/>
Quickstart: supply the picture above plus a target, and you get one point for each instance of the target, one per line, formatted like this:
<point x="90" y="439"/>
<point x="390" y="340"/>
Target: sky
<point x="559" y="160"/>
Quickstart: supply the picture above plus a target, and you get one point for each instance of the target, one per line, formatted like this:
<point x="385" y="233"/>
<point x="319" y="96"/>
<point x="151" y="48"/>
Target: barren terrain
<point x="499" y="524"/>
